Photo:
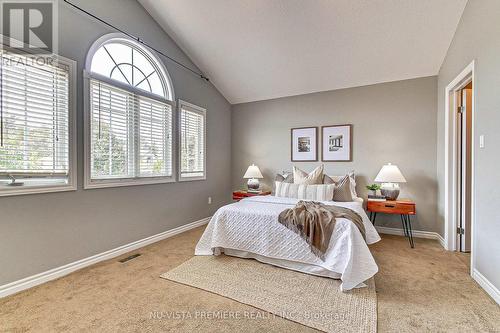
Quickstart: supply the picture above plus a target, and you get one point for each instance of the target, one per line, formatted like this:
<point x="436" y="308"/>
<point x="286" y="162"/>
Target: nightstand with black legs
<point x="404" y="208"/>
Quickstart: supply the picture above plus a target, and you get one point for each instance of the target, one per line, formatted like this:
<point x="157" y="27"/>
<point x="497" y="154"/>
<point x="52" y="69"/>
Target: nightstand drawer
<point x="391" y="207"/>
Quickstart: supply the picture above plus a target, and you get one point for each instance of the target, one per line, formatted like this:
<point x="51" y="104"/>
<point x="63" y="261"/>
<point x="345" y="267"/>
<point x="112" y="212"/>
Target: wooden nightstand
<point x="238" y="195"/>
<point x="403" y="207"/>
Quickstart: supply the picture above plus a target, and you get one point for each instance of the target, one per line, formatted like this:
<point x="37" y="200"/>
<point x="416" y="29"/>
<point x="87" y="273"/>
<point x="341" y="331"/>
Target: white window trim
<point x="202" y="111"/>
<point x="121" y="37"/>
<point x="90" y="183"/>
<point x="72" y="149"/>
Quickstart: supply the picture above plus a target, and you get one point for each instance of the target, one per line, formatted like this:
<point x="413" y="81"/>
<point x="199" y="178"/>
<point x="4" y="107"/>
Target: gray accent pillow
<point x="327" y="180"/>
<point x="335" y="179"/>
<point x="282" y="179"/>
<point x="342" y="191"/>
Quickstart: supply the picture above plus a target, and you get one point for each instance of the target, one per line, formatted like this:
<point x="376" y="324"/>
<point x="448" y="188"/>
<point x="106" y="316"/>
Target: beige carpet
<point x="426" y="289"/>
<point x="310" y="300"/>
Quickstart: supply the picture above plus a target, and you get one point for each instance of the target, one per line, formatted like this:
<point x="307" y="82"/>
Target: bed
<point x="250" y="229"/>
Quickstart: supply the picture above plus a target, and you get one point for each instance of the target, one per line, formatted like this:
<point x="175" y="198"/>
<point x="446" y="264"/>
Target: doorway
<point x="464" y="166"/>
<point x="459" y="163"/>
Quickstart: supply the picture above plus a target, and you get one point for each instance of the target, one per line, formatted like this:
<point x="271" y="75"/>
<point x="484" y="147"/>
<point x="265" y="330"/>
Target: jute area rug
<point x="313" y="301"/>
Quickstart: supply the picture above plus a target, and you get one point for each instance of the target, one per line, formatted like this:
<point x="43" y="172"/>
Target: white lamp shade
<point x="253" y="172"/>
<point x="390" y="174"/>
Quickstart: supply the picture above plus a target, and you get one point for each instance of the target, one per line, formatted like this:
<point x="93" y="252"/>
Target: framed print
<point x="304" y="144"/>
<point x="336" y="143"/>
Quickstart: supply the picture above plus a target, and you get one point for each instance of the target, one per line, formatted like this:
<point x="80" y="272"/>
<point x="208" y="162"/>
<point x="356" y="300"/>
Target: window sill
<point x="105" y="183"/>
<point x="34" y="189"/>
<point x="191" y="179"/>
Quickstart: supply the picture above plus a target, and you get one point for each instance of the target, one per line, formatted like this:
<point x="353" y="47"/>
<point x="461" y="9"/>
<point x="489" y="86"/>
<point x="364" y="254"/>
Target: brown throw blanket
<point x="315" y="222"/>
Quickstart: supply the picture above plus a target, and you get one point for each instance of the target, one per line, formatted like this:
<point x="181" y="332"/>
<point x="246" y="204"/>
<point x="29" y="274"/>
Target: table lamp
<point x="253" y="175"/>
<point x="390" y="177"/>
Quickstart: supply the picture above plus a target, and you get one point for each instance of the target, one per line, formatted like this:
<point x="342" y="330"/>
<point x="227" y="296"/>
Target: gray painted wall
<point x="392" y="122"/>
<point x="40" y="232"/>
<point x="43" y="231"/>
<point x="477" y="38"/>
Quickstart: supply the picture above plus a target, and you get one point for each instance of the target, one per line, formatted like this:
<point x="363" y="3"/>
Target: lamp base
<point x="253" y="185"/>
<point x="390" y="194"/>
<point x="390" y="191"/>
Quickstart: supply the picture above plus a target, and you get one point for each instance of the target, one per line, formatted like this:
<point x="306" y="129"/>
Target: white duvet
<point x="250" y="228"/>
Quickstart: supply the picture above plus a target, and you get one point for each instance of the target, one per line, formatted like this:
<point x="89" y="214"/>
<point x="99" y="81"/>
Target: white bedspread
<point x="251" y="226"/>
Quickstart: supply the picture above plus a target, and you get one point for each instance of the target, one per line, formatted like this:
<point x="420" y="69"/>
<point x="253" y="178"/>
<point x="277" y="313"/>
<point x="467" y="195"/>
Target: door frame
<point x="450" y="217"/>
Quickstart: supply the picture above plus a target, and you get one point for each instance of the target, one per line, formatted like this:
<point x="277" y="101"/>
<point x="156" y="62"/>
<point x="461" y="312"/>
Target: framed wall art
<point x="304" y="144"/>
<point x="336" y="143"/>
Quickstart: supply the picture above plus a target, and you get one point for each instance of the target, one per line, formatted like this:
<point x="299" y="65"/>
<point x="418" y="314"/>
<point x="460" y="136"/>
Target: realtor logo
<point x="29" y="26"/>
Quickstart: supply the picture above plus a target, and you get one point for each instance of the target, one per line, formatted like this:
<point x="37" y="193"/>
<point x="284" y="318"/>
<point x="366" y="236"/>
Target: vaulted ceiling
<point x="262" y="49"/>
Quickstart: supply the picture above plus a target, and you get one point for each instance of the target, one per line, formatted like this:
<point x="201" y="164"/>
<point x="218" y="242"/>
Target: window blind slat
<point x="155" y="137"/>
<point x="192" y="145"/>
<point x="35" y="113"/>
<point x="131" y="134"/>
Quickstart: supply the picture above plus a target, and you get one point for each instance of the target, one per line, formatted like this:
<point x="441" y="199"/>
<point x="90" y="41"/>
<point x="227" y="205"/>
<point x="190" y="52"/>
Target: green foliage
<point x="15" y="156"/>
<point x="152" y="159"/>
<point x="105" y="144"/>
<point x="373" y="187"/>
<point x="108" y="142"/>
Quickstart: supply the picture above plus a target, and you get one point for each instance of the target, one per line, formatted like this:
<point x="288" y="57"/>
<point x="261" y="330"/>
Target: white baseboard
<point x="486" y="285"/>
<point x="34" y="280"/>
<point x="415" y="233"/>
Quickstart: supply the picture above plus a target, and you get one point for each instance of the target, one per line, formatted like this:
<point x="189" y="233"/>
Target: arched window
<point x="127" y="61"/>
<point x="129" y="115"/>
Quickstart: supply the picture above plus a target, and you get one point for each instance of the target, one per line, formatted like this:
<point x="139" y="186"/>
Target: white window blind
<point x="34" y="118"/>
<point x="131" y="135"/>
<point x="155" y="134"/>
<point x="192" y="141"/>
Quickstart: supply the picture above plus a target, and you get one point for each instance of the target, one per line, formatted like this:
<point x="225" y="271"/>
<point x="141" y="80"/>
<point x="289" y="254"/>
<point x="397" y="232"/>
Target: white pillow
<point x="305" y="192"/>
<point x="302" y="177"/>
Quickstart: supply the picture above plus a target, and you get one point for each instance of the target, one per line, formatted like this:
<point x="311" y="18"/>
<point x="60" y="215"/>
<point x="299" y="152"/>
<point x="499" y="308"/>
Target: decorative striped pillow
<point x="305" y="192"/>
<point x="302" y="177"/>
